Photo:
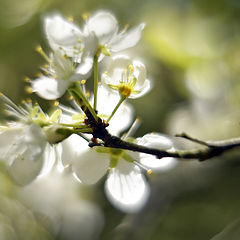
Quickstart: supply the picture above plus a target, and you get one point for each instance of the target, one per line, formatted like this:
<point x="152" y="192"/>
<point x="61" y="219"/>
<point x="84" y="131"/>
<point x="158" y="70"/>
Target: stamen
<point x="42" y="53"/>
<point x="28" y="90"/>
<point x="70" y="19"/>
<point x="26" y="79"/>
<point x="85" y="16"/>
<point x="38" y="74"/>
<point x="83" y="81"/>
<point x="125" y="28"/>
<point x="145" y="169"/>
<point x="56" y="103"/>
<point x="132" y="129"/>
<point x="70" y="98"/>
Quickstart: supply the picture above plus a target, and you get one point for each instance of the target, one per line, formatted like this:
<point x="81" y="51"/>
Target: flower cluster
<point x="84" y="136"/>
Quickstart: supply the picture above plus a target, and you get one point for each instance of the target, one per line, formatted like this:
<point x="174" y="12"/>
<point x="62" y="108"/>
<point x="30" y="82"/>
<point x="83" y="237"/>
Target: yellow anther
<point x="56" y="103"/>
<point x="65" y="56"/>
<point x="126" y="26"/>
<point x="70" y="98"/>
<point x="87" y="94"/>
<point x="79" y="40"/>
<point x="81" y="49"/>
<point x="83" y="81"/>
<point x="38" y="74"/>
<point x="70" y="19"/>
<point x="23" y="102"/>
<point x="149" y="172"/>
<point x="26" y="79"/>
<point x="29" y="100"/>
<point x="85" y="16"/>
<point x="106" y="72"/>
<point x="1" y="94"/>
<point x="28" y="89"/>
<point x="99" y="82"/>
<point x="131" y="68"/>
<point x="46" y="66"/>
<point x="39" y="49"/>
<point x="55" y="76"/>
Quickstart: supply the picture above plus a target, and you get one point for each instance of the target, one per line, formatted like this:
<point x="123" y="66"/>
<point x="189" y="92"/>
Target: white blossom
<point x="65" y="36"/>
<point x="125" y="186"/>
<point x="24" y="144"/>
<point x="105" y="26"/>
<point x="68" y="214"/>
<point x="127" y="76"/>
<point x="58" y="76"/>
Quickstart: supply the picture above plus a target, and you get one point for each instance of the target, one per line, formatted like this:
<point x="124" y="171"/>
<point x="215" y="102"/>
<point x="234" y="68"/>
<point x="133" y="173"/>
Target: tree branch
<point x="209" y="150"/>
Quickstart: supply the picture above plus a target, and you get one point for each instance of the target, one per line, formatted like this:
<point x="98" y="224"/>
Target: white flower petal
<point x="84" y="69"/>
<point x="90" y="166"/>
<point x="128" y="39"/>
<point x="126" y="187"/>
<point x="7" y="139"/>
<point x="49" y="88"/>
<point x="72" y="146"/>
<point x="62" y="33"/>
<point x="103" y="24"/>
<point x="124" y="114"/>
<point x="157" y="141"/>
<point x="139" y="72"/>
<point x="25" y="158"/>
<point x="50" y="157"/>
<point x="145" y="88"/>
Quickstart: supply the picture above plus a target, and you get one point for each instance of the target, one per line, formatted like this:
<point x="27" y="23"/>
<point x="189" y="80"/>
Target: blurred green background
<point x="192" y="53"/>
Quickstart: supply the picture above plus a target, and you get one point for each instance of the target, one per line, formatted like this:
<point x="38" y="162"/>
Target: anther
<point x="28" y="89"/>
<point x="70" y="98"/>
<point x="56" y="103"/>
<point x="149" y="172"/>
<point x="38" y="74"/>
<point x="85" y="16"/>
<point x="83" y="81"/>
<point x="70" y="19"/>
<point x="26" y="79"/>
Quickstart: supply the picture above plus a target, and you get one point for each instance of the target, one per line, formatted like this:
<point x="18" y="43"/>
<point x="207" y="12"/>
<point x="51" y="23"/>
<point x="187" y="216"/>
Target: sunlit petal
<point x="128" y="39"/>
<point x="126" y="187"/>
<point x="49" y="88"/>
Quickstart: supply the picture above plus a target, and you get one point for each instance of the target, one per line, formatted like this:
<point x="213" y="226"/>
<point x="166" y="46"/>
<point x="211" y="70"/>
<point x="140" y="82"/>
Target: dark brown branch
<point x="211" y="148"/>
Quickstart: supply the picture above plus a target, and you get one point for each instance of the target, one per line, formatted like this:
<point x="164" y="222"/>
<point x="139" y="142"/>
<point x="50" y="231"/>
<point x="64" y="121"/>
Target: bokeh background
<point x="192" y="53"/>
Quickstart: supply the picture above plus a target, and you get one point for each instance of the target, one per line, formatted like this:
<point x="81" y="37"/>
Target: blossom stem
<point x="95" y="70"/>
<point x="80" y="98"/>
<point x="116" y="108"/>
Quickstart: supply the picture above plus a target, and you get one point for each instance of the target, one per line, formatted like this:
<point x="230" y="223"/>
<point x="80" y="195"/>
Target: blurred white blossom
<point x="63" y="213"/>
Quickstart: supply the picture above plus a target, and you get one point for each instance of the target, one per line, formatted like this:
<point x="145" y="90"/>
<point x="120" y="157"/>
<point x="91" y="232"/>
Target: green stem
<point x="76" y="92"/>
<point x="95" y="70"/>
<point x="116" y="108"/>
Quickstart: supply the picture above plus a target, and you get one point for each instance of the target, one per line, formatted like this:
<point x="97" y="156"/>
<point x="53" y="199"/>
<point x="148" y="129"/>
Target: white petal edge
<point x="61" y="33"/>
<point x="49" y="88"/>
<point x="103" y="24"/>
<point x="126" y="188"/>
<point x="145" y="88"/>
<point x="128" y="39"/>
<point x="90" y="166"/>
